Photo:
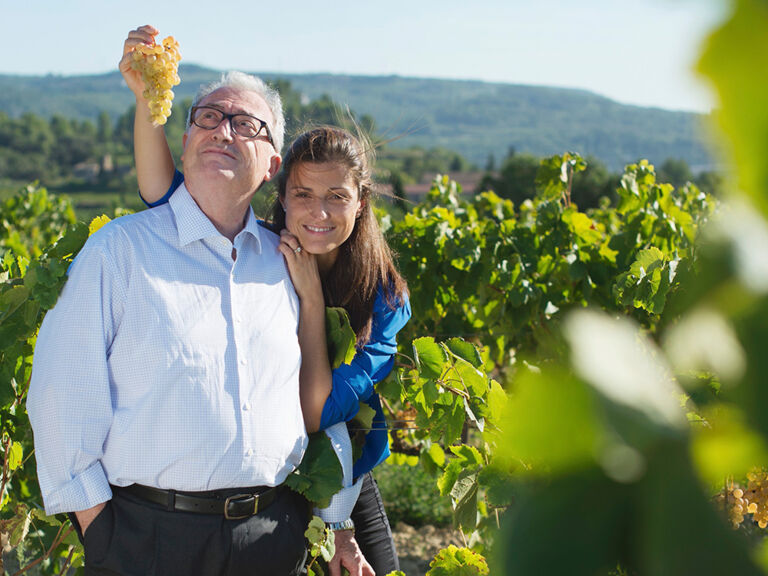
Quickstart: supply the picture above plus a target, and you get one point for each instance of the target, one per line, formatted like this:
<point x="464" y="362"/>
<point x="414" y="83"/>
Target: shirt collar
<point x="192" y="224"/>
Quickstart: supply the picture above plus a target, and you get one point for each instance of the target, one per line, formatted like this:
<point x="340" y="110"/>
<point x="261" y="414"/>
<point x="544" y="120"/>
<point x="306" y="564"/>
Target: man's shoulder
<point x="134" y="225"/>
<point x="118" y="240"/>
<point x="266" y="231"/>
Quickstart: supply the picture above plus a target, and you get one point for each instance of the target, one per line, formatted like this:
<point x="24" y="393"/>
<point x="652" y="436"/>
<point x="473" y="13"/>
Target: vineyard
<point x="586" y="387"/>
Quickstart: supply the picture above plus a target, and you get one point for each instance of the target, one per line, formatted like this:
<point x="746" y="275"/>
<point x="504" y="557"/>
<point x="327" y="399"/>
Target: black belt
<point x="235" y="507"/>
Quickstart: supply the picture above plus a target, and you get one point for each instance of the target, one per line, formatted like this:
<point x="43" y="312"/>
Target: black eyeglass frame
<point x="225" y="116"/>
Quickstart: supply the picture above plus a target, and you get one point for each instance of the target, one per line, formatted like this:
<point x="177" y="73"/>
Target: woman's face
<point x="321" y="206"/>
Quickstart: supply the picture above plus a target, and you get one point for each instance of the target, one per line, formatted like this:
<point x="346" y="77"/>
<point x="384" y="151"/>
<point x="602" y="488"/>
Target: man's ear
<point x="274" y="167"/>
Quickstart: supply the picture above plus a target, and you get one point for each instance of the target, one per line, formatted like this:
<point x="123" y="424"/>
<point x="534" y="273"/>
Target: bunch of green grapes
<point x="735" y="503"/>
<point x="158" y="65"/>
<point x="757" y="491"/>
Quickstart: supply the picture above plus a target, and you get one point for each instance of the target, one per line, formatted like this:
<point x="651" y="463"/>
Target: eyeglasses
<point x="244" y="125"/>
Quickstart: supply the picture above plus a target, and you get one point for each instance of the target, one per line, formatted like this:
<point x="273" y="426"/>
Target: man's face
<point x="223" y="161"/>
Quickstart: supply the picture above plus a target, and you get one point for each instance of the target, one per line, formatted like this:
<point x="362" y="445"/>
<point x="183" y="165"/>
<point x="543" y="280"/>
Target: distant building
<point x="87" y="171"/>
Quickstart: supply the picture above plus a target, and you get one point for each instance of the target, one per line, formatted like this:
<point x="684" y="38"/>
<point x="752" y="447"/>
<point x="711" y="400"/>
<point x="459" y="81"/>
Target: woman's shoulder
<point x="388" y="298"/>
<point x="391" y="310"/>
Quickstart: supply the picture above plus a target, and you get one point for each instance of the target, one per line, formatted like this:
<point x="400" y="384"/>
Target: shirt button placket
<point x="241" y="350"/>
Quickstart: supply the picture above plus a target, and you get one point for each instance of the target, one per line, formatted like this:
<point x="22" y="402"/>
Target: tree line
<point x="65" y="153"/>
<point x="515" y="179"/>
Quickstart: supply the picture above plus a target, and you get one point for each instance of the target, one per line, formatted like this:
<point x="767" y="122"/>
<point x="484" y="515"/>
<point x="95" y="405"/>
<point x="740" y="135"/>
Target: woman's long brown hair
<point x="364" y="261"/>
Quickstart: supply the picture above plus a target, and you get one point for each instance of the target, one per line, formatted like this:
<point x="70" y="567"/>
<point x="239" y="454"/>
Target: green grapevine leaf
<point x="447" y="421"/>
<point x="583" y="227"/>
<point x="587" y="513"/>
<point x="464" y="500"/>
<point x="727" y="446"/>
<point x="468" y="456"/>
<point x="391" y="388"/>
<point x="647" y="282"/>
<point x="39" y="514"/>
<point x="453" y="561"/>
<point x="497" y="400"/>
<point x="555" y="174"/>
<point x="359" y="427"/>
<point x="315" y="532"/>
<point x="15" y="455"/>
<point x="319" y="476"/>
<point x="70" y="244"/>
<point x="437" y="455"/>
<point x="17" y="526"/>
<point x="498" y="486"/>
<point x="339" y="336"/>
<point x="430" y="357"/>
<point x="640" y="381"/>
<point x="732" y="60"/>
<point x="432" y="458"/>
<point x="537" y="441"/>
<point x="11" y="299"/>
<point x="448" y="479"/>
<point x="465" y="350"/>
<point x="364" y="417"/>
<point x="469" y="377"/>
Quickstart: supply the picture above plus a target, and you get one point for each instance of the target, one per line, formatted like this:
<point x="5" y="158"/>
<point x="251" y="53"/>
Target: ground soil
<point x="416" y="547"/>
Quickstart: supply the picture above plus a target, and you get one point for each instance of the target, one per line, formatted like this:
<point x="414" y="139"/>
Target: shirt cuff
<point x="84" y="491"/>
<point x="342" y="503"/>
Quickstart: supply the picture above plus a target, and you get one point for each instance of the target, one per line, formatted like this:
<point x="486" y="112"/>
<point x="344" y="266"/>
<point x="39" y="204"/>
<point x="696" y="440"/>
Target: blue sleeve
<point x="353" y="383"/>
<point x="178" y="180"/>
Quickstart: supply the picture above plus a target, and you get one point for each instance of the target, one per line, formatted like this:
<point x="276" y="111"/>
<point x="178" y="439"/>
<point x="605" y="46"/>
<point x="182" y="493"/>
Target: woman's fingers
<point x="142" y="35"/>
<point x="289" y="240"/>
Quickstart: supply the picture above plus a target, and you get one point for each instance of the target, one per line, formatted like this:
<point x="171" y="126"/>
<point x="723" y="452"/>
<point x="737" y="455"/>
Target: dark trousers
<point x="132" y="537"/>
<point x="372" y="530"/>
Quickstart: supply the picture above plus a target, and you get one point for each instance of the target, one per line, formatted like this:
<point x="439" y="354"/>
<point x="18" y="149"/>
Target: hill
<point x="476" y="119"/>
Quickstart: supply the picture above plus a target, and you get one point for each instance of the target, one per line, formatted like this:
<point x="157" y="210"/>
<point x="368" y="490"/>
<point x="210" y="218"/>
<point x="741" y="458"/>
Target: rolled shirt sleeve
<point x="343" y="501"/>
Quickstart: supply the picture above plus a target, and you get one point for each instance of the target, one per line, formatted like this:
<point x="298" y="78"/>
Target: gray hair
<point x="248" y="83"/>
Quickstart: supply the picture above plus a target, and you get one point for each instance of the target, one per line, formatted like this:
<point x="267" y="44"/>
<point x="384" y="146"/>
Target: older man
<point x="164" y="395"/>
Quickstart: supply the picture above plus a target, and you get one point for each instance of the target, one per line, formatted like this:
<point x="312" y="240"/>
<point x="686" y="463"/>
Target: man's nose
<point x="223" y="131"/>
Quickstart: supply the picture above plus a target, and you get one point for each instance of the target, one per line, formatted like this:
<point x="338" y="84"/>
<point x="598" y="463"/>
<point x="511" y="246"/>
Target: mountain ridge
<point x="475" y="118"/>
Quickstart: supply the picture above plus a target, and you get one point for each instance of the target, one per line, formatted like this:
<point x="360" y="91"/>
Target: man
<point x="164" y="394"/>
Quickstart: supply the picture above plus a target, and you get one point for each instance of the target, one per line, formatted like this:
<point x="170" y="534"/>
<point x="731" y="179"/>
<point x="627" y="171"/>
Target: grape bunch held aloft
<point x="158" y="65"/>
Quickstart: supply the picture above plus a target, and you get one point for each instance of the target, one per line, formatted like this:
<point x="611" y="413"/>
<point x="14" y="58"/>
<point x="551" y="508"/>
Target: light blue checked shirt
<point x="169" y="364"/>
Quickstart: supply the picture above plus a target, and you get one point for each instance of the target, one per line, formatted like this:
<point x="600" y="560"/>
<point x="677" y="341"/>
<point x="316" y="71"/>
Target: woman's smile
<point x="321" y="207"/>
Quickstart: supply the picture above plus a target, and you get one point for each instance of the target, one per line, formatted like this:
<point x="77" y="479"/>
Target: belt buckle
<point x="241" y="497"/>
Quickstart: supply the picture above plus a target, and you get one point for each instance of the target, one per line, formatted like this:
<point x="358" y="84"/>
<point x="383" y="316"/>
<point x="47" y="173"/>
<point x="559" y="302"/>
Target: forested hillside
<point x="475" y="119"/>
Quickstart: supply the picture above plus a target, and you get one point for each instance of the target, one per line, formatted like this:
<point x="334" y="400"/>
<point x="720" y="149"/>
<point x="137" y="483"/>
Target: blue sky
<point x="634" y="51"/>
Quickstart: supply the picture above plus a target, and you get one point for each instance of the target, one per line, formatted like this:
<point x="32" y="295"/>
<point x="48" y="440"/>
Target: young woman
<point x="337" y="256"/>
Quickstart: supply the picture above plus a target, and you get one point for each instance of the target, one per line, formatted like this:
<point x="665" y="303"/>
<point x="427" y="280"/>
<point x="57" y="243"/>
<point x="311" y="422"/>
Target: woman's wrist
<point x="313" y="301"/>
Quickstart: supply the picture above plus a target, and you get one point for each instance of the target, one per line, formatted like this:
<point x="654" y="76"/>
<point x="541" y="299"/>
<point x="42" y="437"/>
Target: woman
<point x="337" y="256"/>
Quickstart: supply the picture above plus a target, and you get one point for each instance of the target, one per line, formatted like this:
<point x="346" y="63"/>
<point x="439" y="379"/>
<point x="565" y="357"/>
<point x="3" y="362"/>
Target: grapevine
<point x="736" y="504"/>
<point x="158" y="65"/>
<point x="757" y="492"/>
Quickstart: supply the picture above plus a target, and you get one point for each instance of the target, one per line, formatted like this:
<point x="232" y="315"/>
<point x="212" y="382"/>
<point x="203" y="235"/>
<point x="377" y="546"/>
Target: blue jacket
<point x="354" y="383"/>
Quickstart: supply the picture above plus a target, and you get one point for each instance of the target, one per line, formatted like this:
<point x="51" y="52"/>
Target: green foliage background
<point x="581" y="381"/>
